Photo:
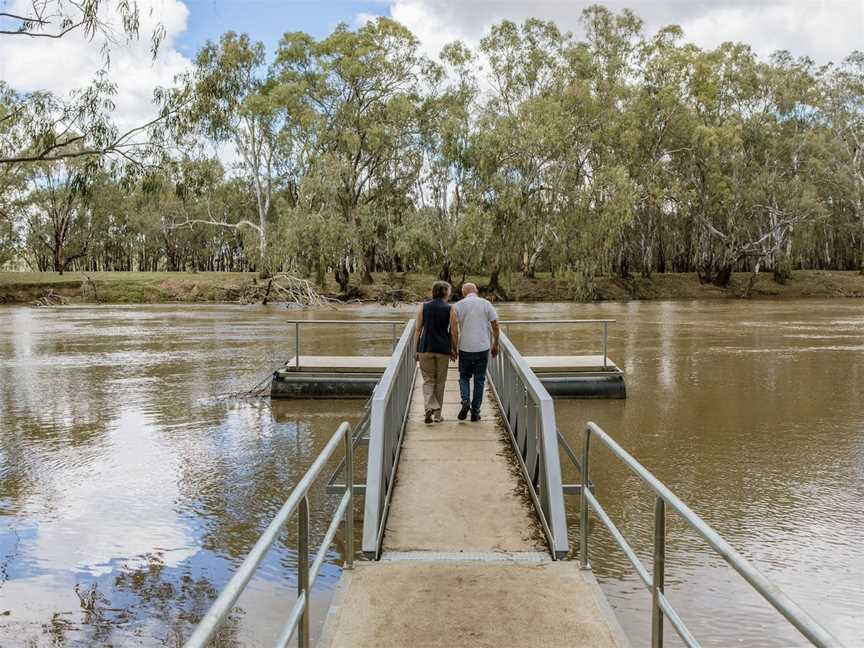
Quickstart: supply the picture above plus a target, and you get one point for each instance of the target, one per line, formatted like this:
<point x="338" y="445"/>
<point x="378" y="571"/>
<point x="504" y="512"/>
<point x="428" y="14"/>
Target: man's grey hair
<point x="468" y="288"/>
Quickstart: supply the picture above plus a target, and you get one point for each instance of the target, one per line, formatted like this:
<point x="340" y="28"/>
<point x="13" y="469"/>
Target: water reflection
<point x="128" y="495"/>
<point x="765" y="445"/>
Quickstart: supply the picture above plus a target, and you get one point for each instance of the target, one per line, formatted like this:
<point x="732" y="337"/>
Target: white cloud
<point x="362" y="18"/>
<point x="825" y="30"/>
<point x="29" y="64"/>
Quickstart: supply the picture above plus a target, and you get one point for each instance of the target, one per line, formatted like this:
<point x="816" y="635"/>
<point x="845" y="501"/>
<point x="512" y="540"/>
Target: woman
<point x="437" y="342"/>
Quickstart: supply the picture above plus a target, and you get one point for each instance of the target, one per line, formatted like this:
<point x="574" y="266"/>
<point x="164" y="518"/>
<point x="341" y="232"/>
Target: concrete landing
<point x="570" y="364"/>
<point x="416" y="604"/>
<point x="377" y="364"/>
<point x="356" y="376"/>
<point x="339" y="364"/>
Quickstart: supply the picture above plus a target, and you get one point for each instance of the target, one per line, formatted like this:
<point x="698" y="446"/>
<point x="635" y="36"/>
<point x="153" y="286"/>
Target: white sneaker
<point x="438" y="417"/>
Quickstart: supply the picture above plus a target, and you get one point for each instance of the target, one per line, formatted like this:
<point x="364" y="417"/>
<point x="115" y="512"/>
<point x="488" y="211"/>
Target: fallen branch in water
<point x="283" y="288"/>
<point x="50" y="299"/>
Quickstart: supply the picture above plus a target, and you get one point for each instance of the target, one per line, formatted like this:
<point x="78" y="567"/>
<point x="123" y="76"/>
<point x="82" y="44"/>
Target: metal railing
<point x="604" y="322"/>
<point x="360" y="437"/>
<point x="297" y="324"/>
<point x="298" y="619"/>
<point x="661" y="608"/>
<point x="529" y="416"/>
<point x="388" y="413"/>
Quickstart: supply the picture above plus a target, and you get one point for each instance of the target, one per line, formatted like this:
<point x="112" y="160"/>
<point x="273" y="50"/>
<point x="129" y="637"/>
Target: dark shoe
<point x="475" y="416"/>
<point x="463" y="413"/>
<point x="428" y="418"/>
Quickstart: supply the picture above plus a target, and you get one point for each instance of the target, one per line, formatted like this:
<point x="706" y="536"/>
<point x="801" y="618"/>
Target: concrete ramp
<point x="464" y="561"/>
<point x="457" y="485"/>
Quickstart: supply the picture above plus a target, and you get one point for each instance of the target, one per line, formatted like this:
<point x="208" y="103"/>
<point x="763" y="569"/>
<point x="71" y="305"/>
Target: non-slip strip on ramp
<point x="468" y="556"/>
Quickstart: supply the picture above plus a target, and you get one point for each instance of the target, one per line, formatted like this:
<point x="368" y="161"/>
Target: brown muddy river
<point x="128" y="494"/>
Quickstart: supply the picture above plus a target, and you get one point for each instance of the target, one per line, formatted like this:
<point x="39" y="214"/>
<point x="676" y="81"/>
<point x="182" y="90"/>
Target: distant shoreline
<point x="222" y="287"/>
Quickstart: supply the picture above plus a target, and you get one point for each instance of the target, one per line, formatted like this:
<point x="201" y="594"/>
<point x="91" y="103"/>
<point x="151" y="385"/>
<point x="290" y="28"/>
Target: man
<point x="477" y="319"/>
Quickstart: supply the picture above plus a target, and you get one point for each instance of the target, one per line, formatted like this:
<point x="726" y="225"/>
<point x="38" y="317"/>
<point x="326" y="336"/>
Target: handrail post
<point x="349" y="514"/>
<point x="605" y="343"/>
<point x="303" y="571"/>
<point x="297" y="346"/>
<point x="659" y="577"/>
<point x="583" y="512"/>
<point x="393" y="338"/>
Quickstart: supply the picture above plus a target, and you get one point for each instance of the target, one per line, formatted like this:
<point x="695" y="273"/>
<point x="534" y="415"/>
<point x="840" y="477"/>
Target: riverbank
<point x="225" y="287"/>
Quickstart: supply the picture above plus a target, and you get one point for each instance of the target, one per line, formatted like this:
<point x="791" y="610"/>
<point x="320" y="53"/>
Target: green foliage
<point x="617" y="152"/>
<point x="358" y="94"/>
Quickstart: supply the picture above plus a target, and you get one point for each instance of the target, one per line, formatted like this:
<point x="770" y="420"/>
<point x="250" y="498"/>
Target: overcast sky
<point x="825" y="30"/>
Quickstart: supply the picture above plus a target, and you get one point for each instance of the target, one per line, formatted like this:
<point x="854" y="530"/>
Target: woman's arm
<point x="417" y="330"/>
<point x="454" y="333"/>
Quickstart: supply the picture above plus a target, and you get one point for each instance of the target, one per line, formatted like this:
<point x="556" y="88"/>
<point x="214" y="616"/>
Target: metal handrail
<point x="360" y="436"/>
<point x="529" y="416"/>
<point x="661" y="607"/>
<point x="560" y="321"/>
<point x="604" y="322"/>
<point x="372" y="322"/>
<point x="298" y="500"/>
<point x="388" y="413"/>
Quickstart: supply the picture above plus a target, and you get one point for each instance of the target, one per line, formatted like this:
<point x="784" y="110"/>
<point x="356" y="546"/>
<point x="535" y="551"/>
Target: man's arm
<point x="454" y="334"/>
<point x="495" y="333"/>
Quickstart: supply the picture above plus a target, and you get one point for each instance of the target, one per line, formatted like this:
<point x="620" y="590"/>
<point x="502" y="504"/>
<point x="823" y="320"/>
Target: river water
<point x="128" y="493"/>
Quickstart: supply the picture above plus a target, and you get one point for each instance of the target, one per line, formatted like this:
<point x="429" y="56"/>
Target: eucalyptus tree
<point x="58" y="214"/>
<point x="546" y="152"/>
<point x="359" y="92"/>
<point x="599" y="194"/>
<point x="613" y="152"/>
<point x="58" y="142"/>
<point x="521" y="136"/>
<point x="653" y="133"/>
<point x="40" y="126"/>
<point x="54" y="19"/>
<point x="10" y="198"/>
<point x="11" y="182"/>
<point x="232" y="102"/>
<point x="783" y="188"/>
<point x="750" y="129"/>
<point x="843" y="110"/>
<point x="448" y="120"/>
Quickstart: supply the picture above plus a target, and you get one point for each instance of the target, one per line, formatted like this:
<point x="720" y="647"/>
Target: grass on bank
<point x="191" y="287"/>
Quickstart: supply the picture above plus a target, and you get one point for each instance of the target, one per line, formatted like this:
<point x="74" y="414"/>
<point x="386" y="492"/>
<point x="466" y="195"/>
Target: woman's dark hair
<point x="440" y="289"/>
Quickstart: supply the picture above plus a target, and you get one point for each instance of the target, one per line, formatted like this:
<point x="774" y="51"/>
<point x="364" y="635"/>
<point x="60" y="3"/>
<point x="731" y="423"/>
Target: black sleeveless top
<point x="435" y="337"/>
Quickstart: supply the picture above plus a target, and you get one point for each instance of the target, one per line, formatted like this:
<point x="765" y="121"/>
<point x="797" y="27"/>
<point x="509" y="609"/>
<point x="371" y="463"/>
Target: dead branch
<point x="50" y="298"/>
<point x="283" y="288"/>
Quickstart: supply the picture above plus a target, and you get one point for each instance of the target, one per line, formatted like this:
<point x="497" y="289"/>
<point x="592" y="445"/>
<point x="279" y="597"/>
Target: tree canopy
<point x="614" y="152"/>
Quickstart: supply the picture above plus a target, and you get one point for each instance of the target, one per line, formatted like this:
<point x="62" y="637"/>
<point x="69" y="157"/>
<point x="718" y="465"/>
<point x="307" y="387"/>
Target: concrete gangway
<point x="464" y="560"/>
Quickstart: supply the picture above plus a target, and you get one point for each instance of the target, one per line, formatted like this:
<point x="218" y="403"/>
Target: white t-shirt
<point x="474" y="314"/>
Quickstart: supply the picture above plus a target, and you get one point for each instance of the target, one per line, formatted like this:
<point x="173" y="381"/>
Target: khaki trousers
<point x="433" y="368"/>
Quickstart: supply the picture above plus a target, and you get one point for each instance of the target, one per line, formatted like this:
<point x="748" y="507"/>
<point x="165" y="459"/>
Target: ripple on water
<point x="118" y="476"/>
